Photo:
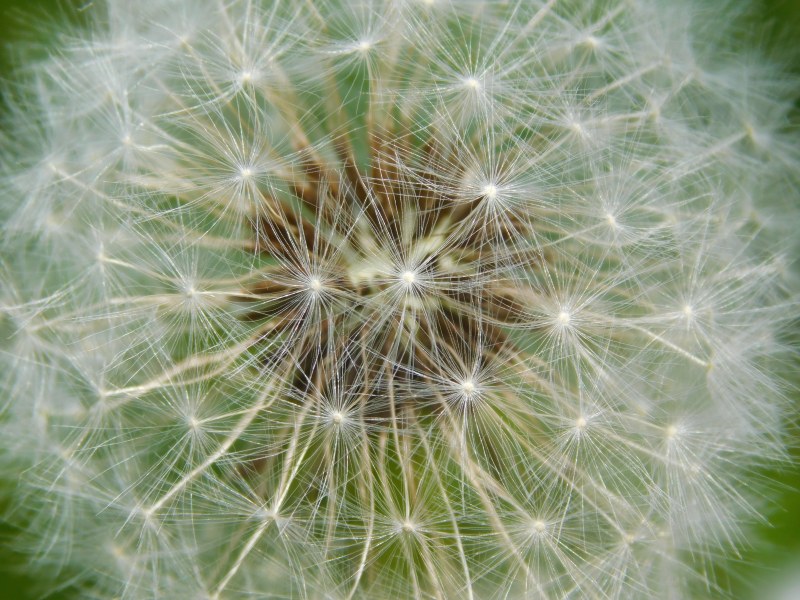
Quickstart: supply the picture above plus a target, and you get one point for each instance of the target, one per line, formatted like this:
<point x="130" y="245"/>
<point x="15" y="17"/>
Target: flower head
<point x="393" y="299"/>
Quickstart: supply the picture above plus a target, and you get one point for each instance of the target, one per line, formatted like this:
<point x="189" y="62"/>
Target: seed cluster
<point x="394" y="299"/>
<point x="392" y="270"/>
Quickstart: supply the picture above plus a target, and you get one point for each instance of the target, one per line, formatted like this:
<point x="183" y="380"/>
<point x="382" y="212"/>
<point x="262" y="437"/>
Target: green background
<point x="776" y="554"/>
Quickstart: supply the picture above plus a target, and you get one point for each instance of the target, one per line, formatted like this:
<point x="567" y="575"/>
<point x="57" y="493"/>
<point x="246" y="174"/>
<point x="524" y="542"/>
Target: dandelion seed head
<point x="265" y="514"/>
<point x="472" y="83"/>
<point x="592" y="41"/>
<point x="490" y="191"/>
<point x="394" y="299"/>
<point x="408" y="527"/>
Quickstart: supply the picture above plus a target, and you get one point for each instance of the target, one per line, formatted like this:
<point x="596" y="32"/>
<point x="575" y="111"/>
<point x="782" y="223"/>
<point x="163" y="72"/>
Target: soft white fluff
<point x="395" y="298"/>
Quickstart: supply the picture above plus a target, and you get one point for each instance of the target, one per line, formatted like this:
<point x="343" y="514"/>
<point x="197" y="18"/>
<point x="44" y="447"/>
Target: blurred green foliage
<point x="778" y="547"/>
